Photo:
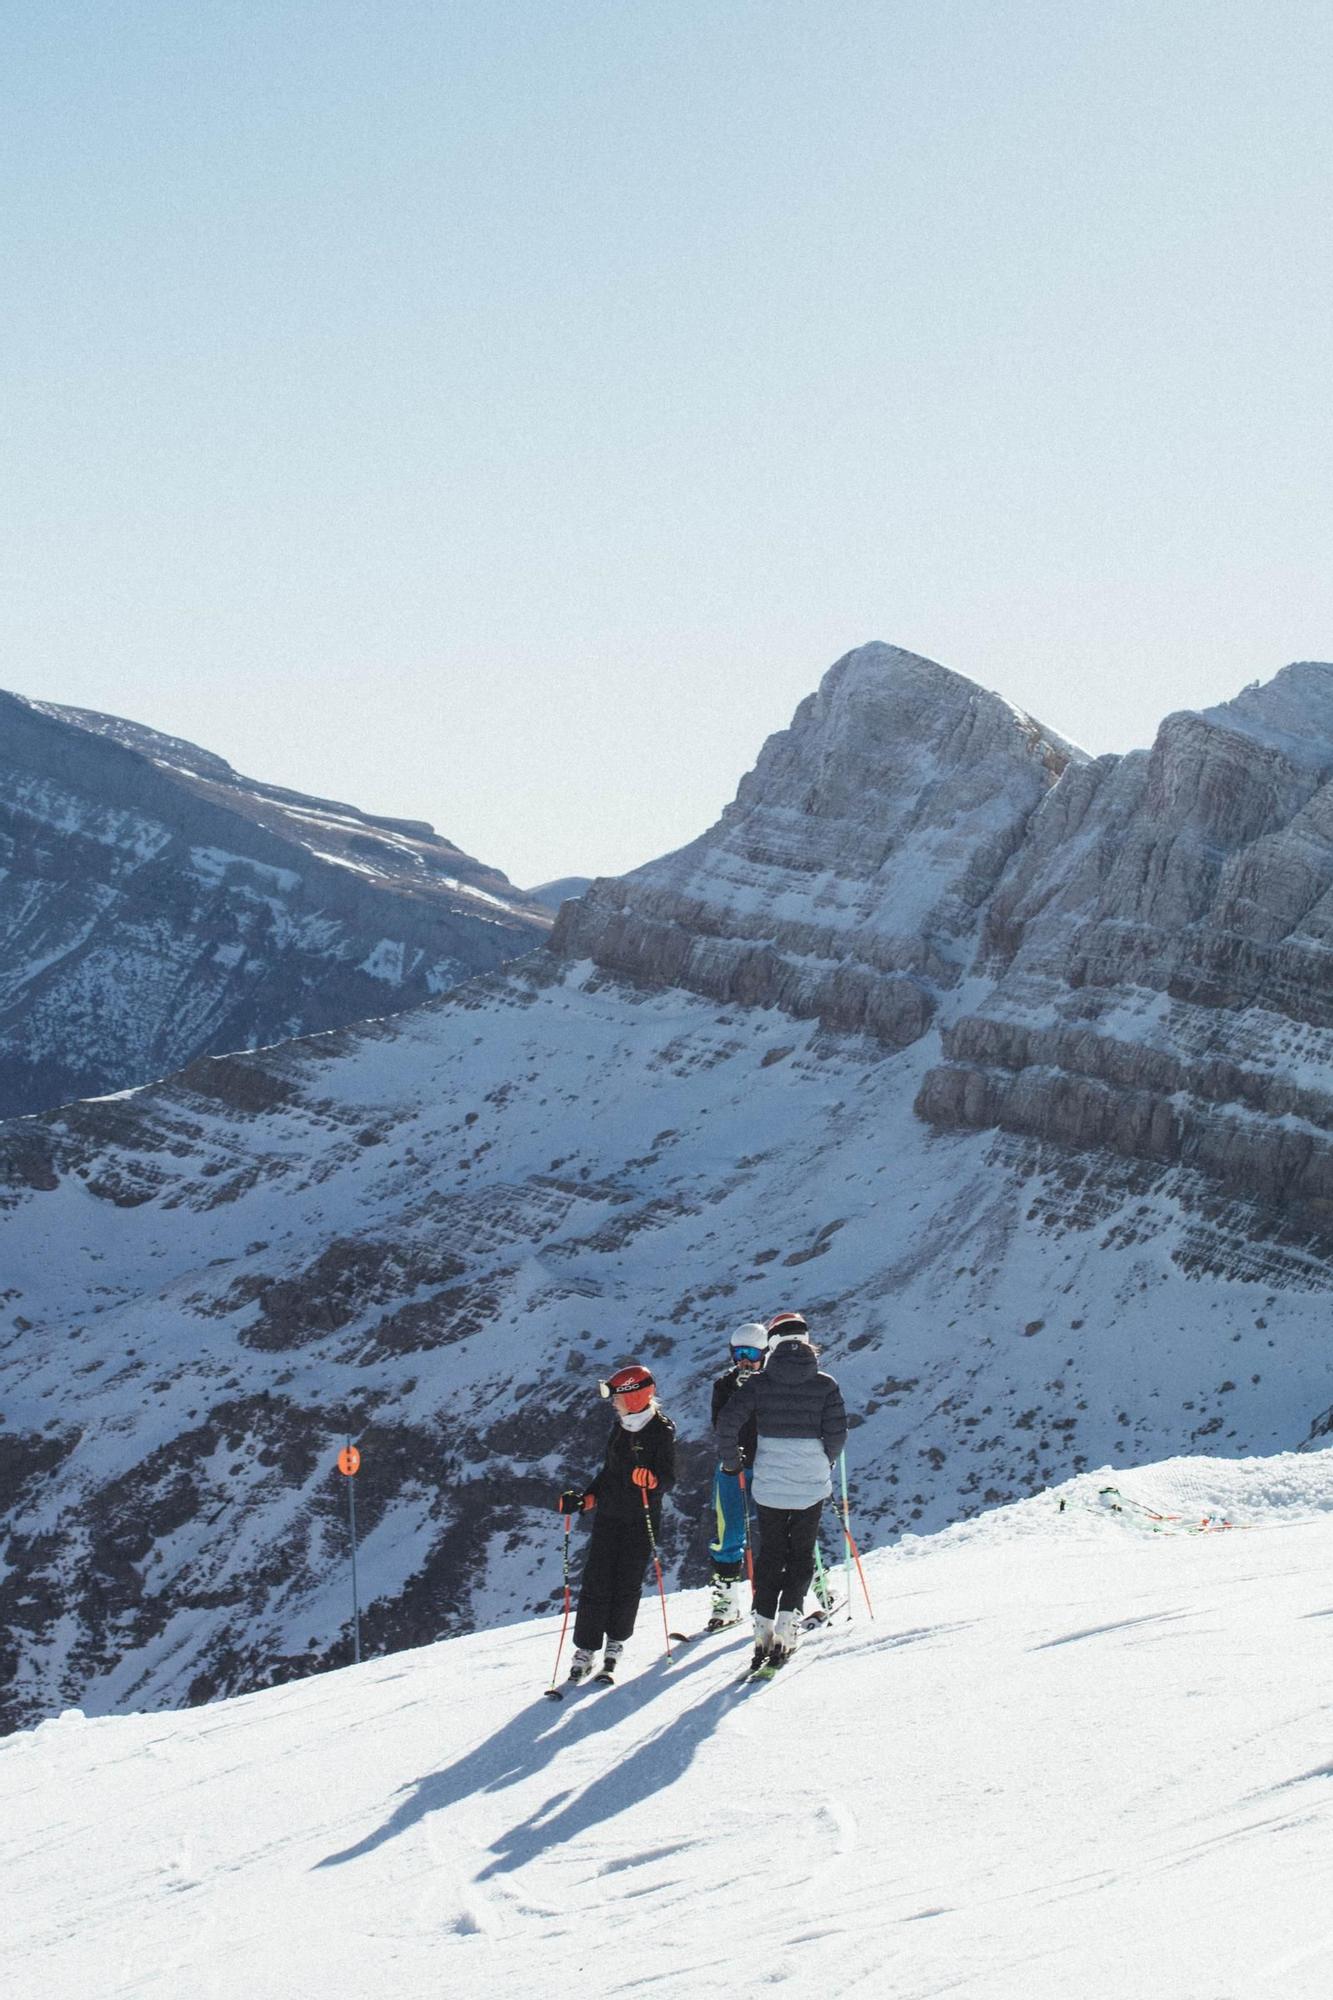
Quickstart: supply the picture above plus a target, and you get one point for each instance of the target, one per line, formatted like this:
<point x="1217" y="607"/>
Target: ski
<point x="768" y="1668"/>
<point x="704" y="1632"/>
<point x="825" y="1615"/>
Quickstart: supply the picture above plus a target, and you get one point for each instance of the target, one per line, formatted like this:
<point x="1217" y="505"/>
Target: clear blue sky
<point x="500" y="412"/>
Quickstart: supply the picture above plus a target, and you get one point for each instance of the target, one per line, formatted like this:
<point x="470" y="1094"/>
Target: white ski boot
<point x="764" y="1636"/>
<point x="787" y="1634"/>
<point x="610" y="1660"/>
<point x="581" y="1665"/>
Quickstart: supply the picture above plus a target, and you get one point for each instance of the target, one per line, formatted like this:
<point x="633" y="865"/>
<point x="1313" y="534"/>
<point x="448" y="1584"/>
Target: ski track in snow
<point x="1068" y="1758"/>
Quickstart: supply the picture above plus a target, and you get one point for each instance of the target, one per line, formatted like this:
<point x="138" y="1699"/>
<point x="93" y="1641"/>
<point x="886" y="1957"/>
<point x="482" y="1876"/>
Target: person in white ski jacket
<point x="801" y="1427"/>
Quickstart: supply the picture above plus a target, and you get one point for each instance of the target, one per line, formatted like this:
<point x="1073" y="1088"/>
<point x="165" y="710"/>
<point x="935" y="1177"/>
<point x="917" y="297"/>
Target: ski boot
<point x="786" y="1636"/>
<point x="764" y="1635"/>
<point x="581" y="1665"/>
<point x="726" y="1604"/>
<point x="610" y="1661"/>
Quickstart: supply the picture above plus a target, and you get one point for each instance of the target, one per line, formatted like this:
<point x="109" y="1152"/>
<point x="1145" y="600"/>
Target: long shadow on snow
<point x="535" y="1736"/>
<point x="653" y="1764"/>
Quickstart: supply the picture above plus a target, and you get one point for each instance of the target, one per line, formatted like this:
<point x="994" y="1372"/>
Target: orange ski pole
<point x="749" y="1552"/>
<point x="847" y="1531"/>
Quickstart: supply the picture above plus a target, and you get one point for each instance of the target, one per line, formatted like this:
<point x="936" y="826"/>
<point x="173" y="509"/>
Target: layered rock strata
<point x="1161" y="950"/>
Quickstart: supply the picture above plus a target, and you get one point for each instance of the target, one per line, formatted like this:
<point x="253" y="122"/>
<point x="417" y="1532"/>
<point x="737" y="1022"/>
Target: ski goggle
<point x="608" y="1389"/>
<point x="754" y="1355"/>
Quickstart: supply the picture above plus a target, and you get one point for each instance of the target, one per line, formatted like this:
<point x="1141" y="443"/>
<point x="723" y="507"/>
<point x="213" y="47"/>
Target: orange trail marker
<point x="349" y="1464"/>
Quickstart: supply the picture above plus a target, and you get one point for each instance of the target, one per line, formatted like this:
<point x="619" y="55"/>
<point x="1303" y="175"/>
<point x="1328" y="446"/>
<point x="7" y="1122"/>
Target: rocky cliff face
<point x="1160" y="953"/>
<point x="1098" y="1238"/>
<point x="848" y="881"/>
<point x="155" y="906"/>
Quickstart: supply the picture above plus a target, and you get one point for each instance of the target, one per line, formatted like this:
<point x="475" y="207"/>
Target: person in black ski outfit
<point x="802" y="1427"/>
<point x="640" y="1462"/>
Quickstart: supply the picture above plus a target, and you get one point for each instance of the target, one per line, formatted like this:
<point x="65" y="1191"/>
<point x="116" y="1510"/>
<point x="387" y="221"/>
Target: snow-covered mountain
<point x="1076" y="1753"/>
<point x="737" y="1080"/>
<point x="155" y="906"/>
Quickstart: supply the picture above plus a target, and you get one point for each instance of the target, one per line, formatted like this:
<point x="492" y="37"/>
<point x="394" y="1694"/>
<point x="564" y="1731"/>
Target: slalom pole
<point x="852" y="1549"/>
<point x="745" y="1503"/>
<point x="349" y="1464"/>
<point x="553" y="1691"/>
<point x="657" y="1565"/>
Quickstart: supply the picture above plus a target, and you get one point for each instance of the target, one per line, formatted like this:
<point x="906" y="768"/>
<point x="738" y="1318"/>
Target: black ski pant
<point x="786" y="1560"/>
<point x="618" y="1554"/>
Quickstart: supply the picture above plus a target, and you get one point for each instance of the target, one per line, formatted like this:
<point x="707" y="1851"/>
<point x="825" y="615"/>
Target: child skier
<point x="731" y="1503"/>
<point x="802" y="1426"/>
<point x="640" y="1464"/>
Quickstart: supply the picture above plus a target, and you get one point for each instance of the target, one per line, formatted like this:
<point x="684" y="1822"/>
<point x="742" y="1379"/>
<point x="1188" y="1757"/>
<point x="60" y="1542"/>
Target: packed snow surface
<point x="1078" y="1752"/>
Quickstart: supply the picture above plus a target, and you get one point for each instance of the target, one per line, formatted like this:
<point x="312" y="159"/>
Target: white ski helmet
<point x="749" y="1344"/>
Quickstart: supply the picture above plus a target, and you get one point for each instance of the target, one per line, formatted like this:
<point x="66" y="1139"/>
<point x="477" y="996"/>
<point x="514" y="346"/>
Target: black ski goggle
<point x="607" y="1389"/>
<point x="750" y="1354"/>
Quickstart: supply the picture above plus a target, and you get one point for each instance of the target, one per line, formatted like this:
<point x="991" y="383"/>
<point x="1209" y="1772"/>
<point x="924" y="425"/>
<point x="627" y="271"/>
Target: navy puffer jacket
<point x="801" y="1422"/>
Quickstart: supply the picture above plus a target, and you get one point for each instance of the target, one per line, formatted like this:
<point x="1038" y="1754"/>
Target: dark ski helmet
<point x="634" y="1384"/>
<point x="788" y="1326"/>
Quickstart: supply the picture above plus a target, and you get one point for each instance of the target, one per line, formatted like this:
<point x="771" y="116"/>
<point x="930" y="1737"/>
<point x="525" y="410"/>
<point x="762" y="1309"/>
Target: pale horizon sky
<point x="503" y="415"/>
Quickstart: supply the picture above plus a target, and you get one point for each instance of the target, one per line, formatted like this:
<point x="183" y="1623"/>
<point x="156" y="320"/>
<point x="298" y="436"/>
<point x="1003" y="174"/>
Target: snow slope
<point x="1073" y="1755"/>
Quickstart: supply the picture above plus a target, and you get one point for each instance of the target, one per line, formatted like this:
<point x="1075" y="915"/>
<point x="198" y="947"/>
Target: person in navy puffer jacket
<point x="801" y="1426"/>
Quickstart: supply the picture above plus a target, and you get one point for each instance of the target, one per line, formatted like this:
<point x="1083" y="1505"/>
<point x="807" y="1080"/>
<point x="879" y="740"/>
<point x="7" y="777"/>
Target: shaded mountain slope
<point x="155" y="906"/>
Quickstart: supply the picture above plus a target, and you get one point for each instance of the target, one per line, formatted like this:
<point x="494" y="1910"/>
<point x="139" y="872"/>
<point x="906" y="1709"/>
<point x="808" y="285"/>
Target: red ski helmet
<point x="634" y="1384"/>
<point x="787" y="1326"/>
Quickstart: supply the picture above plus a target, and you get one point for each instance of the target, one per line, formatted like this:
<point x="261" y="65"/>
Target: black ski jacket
<point x="724" y="1389"/>
<point x="789" y="1398"/>
<point x="654" y="1446"/>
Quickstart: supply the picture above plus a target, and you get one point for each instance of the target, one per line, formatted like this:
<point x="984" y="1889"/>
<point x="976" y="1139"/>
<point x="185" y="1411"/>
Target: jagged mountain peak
<point x="878" y="712"/>
<point x="846" y="881"/>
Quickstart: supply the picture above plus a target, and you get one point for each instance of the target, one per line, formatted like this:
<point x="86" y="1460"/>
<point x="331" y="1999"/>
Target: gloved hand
<point x="574" y="1501"/>
<point x="731" y="1471"/>
<point x="642" y="1477"/>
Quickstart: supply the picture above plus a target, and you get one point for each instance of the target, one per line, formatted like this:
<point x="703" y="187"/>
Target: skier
<point x="802" y="1426"/>
<point x="730" y="1504"/>
<point x="640" y="1462"/>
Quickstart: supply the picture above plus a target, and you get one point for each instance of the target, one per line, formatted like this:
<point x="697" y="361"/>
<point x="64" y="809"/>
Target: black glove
<point x="731" y="1471"/>
<point x="573" y="1500"/>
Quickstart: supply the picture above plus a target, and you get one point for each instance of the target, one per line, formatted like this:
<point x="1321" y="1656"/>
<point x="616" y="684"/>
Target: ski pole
<point x="657" y="1565"/>
<point x="564" y="1626"/>
<point x="745" y="1503"/>
<point x="846" y="1518"/>
<point x="852" y="1549"/>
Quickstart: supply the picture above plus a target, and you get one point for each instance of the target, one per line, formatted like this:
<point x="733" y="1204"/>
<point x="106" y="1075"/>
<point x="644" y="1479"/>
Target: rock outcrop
<point x="1161" y="950"/>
